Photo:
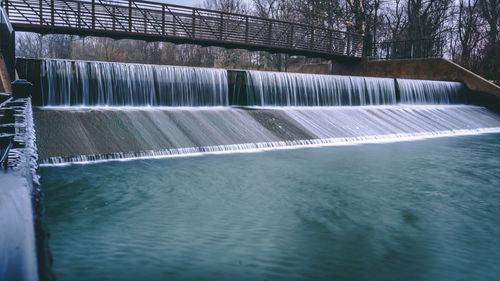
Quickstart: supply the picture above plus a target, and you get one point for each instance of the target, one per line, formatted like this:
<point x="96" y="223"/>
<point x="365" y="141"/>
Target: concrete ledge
<point x="426" y="69"/>
<point x="429" y="69"/>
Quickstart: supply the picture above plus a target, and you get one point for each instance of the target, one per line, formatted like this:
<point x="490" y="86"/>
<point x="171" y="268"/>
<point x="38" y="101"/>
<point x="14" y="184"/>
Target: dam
<point x="373" y="156"/>
<point x="95" y="111"/>
<point x="297" y="176"/>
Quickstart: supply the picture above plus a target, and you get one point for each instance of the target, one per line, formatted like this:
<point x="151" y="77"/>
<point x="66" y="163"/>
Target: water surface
<point x="424" y="210"/>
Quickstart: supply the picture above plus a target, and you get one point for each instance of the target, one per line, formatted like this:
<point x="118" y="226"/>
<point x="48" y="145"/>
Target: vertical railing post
<point x="162" y="19"/>
<point x="193" y="22"/>
<point x="93" y="14"/>
<point x="292" y="28"/>
<point x="367" y="45"/>
<point x="311" y="43"/>
<point x="79" y="16"/>
<point x="348" y="39"/>
<point x="52" y="12"/>
<point x="113" y="12"/>
<point x="221" y="26"/>
<point x="145" y="24"/>
<point x="6" y="6"/>
<point x="269" y="32"/>
<point x="41" y="11"/>
<point x="130" y="15"/>
<point x="174" y="25"/>
<point x="330" y="41"/>
<point x="246" y="29"/>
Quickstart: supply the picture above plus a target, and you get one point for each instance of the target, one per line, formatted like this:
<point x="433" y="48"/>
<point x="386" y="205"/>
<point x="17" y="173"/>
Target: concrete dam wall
<point x="94" y="111"/>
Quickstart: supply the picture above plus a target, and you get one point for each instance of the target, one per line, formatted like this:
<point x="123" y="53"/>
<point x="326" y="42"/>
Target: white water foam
<point x="230" y="130"/>
<point x="258" y="147"/>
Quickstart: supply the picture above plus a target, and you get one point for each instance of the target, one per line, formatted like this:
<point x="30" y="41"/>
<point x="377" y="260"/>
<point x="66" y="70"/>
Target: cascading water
<point x="430" y="92"/>
<point x="293" y="89"/>
<point x="280" y="110"/>
<point x="118" y="84"/>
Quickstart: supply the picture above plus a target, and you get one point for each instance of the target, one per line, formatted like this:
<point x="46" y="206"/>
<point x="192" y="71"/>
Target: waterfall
<point x="122" y="111"/>
<point x="292" y="89"/>
<point x="430" y="92"/>
<point x="118" y="84"/>
<point x="65" y="83"/>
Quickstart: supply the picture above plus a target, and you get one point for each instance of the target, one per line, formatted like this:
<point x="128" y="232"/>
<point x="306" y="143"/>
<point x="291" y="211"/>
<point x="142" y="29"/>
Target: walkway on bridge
<point x="154" y="21"/>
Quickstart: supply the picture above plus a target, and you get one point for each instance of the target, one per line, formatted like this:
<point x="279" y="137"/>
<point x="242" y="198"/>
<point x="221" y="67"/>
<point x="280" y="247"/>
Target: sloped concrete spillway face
<point x="96" y="111"/>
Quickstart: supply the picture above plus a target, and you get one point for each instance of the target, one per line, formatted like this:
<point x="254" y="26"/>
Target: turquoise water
<point x="423" y="210"/>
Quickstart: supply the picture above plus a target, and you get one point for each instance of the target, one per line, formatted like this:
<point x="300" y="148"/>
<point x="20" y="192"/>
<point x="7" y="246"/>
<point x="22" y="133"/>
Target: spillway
<point x="110" y="133"/>
<point x="94" y="111"/>
<point x="431" y="92"/>
<point x="294" y="89"/>
<point x="66" y="83"/>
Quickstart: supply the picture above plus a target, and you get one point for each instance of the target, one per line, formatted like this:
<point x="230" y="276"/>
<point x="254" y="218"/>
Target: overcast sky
<point x="196" y="3"/>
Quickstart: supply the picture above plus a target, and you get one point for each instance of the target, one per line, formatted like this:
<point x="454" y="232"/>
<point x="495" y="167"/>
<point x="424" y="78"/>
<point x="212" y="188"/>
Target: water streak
<point x="117" y="84"/>
<point x="431" y="92"/>
<point x="109" y="134"/>
<point x="293" y="89"/>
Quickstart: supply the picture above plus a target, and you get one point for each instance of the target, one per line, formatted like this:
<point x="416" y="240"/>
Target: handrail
<point x="404" y="49"/>
<point x="177" y="23"/>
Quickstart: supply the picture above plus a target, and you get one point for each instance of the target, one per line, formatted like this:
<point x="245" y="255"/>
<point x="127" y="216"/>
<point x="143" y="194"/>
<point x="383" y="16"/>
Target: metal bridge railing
<point x="423" y="48"/>
<point x="159" y="21"/>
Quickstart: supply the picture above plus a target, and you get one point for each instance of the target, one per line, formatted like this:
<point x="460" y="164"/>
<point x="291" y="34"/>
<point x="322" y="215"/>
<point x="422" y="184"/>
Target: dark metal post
<point x="52" y="12"/>
<point x="221" y="26"/>
<point x="292" y="27"/>
<point x="348" y="44"/>
<point x="246" y="29"/>
<point x="193" y="22"/>
<point x="311" y="43"/>
<point x="79" y="16"/>
<point x="41" y="11"/>
<point x="93" y="14"/>
<point x="330" y="41"/>
<point x="113" y="12"/>
<point x="162" y="19"/>
<point x="367" y="46"/>
<point x="6" y="2"/>
<point x="130" y="15"/>
<point x="270" y="32"/>
<point x="174" y="24"/>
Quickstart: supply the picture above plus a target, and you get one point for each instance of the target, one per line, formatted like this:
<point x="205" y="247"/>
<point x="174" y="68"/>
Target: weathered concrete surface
<point x="4" y="77"/>
<point x="315" y="68"/>
<point x="17" y="243"/>
<point x="427" y="69"/>
<point x="430" y="69"/>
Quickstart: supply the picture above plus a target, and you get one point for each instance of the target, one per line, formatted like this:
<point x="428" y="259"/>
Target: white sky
<point x="195" y="3"/>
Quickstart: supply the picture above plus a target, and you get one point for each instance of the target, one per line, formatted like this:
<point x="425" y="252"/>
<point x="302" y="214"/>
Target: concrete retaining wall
<point x="427" y="69"/>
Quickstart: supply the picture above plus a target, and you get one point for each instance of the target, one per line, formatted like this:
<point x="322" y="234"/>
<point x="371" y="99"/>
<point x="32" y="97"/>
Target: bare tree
<point x="468" y="31"/>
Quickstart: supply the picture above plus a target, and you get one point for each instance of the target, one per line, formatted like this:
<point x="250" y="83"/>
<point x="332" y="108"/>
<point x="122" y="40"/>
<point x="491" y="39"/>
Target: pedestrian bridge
<point x="153" y="21"/>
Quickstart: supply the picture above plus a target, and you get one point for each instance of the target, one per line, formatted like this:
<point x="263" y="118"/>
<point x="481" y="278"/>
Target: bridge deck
<point x="178" y="24"/>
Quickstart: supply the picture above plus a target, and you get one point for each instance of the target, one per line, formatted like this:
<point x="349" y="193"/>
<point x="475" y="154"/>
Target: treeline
<point x="469" y="28"/>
